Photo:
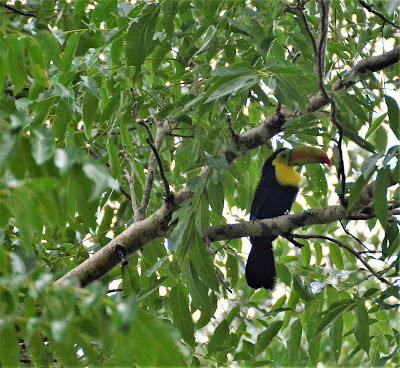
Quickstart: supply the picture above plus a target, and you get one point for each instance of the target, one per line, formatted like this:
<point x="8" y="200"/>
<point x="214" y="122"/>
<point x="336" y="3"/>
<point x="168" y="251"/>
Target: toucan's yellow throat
<point x="285" y="161"/>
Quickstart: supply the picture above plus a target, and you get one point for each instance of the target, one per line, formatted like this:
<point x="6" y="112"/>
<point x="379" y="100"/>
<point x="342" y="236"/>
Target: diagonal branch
<point x="349" y="249"/>
<point x="380" y="15"/>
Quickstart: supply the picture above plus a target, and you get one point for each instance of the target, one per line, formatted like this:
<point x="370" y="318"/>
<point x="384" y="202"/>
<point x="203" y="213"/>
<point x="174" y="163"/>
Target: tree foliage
<point x="131" y="130"/>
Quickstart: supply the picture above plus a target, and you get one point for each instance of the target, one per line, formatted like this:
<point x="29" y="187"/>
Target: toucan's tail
<point x="260" y="267"/>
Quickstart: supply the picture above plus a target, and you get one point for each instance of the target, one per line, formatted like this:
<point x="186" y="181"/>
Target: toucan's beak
<point x="308" y="155"/>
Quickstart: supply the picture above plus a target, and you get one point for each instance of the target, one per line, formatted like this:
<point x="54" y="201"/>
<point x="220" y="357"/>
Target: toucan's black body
<point x="271" y="199"/>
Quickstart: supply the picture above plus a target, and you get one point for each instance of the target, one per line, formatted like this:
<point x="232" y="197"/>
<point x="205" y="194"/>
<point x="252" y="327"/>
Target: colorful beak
<point x="308" y="155"/>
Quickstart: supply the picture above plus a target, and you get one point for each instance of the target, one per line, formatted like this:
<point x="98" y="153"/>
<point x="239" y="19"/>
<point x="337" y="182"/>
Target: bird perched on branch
<point x="274" y="196"/>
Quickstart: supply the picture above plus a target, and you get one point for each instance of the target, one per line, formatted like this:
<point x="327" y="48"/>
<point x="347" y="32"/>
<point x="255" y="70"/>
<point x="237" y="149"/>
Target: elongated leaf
<point x="15" y="62"/>
<point x="103" y="10"/>
<point x="114" y="159"/>
<point x="361" y="331"/>
<point x="203" y="262"/>
<point x="68" y="55"/>
<point x="267" y="335"/>
<point x="43" y="145"/>
<point x="219" y="338"/>
<point x="233" y="86"/>
<point x="201" y="219"/>
<point x="294" y="342"/>
<point x="199" y="293"/>
<point x="336" y="256"/>
<point x="181" y="315"/>
<point x="10" y="350"/>
<point x="302" y="290"/>
<point x="356" y="191"/>
<point x="380" y="195"/>
<point x="336" y="337"/>
<point x="170" y="8"/>
<point x="394" y="115"/>
<point x="334" y="312"/>
<point x="140" y="36"/>
<point x="284" y="273"/>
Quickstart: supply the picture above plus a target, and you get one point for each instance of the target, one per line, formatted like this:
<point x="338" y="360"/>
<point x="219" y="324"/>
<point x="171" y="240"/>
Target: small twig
<point x="131" y="180"/>
<point x="352" y="251"/>
<point x="114" y="290"/>
<point x="20" y="12"/>
<point x="224" y="283"/>
<point x="323" y="27"/>
<point x="379" y="14"/>
<point x="142" y="122"/>
<point x="169" y="197"/>
<point x="300" y="8"/>
<point x="294" y="242"/>
<point x="354" y="237"/>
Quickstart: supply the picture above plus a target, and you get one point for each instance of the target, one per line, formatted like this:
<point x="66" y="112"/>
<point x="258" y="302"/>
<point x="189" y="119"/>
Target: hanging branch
<point x="20" y="12"/>
<point x="349" y="249"/>
<point x="380" y="15"/>
<point x="300" y="8"/>
<point x="131" y="180"/>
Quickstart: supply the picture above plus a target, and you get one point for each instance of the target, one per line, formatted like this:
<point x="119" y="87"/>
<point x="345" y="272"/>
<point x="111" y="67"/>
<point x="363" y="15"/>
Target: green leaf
<point x="10" y="350"/>
<point x="336" y="337"/>
<point x="375" y="124"/>
<point x="318" y="252"/>
<point x="394" y="115"/>
<point x="356" y="191"/>
<point x="232" y="269"/>
<point x="202" y="215"/>
<point x="265" y="337"/>
<point x="361" y="142"/>
<point x="69" y="52"/>
<point x="170" y="9"/>
<point x="43" y="145"/>
<point x="306" y="255"/>
<point x="114" y="158"/>
<point x="199" y="293"/>
<point x="219" y="338"/>
<point x="61" y="121"/>
<point x="361" y="331"/>
<point x="294" y="342"/>
<point x="336" y="256"/>
<point x="203" y="262"/>
<point x="284" y="273"/>
<point x="100" y="178"/>
<point x="302" y="290"/>
<point x="380" y="195"/>
<point x="180" y="314"/>
<point x="103" y="10"/>
<point x="15" y="62"/>
<point x="91" y="86"/>
<point x="334" y="312"/>
<point x="140" y="36"/>
<point x="233" y="86"/>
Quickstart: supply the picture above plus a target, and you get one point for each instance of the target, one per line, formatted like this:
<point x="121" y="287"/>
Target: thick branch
<point x="372" y="64"/>
<point x="353" y="75"/>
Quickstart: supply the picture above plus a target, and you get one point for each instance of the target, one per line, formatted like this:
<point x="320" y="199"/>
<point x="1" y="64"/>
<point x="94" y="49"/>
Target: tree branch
<point x="349" y="249"/>
<point x="380" y="15"/>
<point x="20" y="12"/>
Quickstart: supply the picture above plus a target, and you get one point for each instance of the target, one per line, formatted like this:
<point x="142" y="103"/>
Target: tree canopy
<point x="132" y="139"/>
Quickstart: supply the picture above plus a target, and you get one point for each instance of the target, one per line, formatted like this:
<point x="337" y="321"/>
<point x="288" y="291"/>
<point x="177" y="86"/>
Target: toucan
<point x="274" y="196"/>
